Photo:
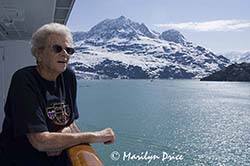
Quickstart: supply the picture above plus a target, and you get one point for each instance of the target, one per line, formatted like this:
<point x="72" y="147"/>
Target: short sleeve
<point x="23" y="103"/>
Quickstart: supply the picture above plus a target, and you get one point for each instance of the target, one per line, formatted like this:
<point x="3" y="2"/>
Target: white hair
<point x="39" y="38"/>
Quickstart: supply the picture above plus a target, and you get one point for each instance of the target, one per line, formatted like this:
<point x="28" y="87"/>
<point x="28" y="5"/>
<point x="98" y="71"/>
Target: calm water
<point x="208" y="123"/>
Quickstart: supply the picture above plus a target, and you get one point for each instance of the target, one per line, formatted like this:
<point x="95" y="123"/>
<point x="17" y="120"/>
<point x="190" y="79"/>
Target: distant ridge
<point x="238" y="56"/>
<point x="234" y="72"/>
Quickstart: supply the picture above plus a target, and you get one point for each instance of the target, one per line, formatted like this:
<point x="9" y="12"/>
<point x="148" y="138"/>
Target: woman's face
<point x="53" y="60"/>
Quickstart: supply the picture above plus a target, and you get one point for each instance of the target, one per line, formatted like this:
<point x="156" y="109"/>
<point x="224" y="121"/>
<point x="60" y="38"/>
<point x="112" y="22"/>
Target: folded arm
<point x="58" y="141"/>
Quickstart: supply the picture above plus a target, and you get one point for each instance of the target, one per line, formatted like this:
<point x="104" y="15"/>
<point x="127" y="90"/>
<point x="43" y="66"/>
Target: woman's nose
<point x="64" y="53"/>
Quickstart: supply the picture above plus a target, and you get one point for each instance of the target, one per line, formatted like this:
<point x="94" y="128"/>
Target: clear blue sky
<point x="219" y="25"/>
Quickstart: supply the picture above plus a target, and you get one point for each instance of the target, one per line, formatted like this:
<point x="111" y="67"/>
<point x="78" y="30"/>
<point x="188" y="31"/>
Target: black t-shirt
<point x="33" y="105"/>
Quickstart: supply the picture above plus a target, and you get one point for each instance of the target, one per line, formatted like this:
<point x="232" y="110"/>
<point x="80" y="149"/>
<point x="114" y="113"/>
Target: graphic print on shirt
<point x="59" y="113"/>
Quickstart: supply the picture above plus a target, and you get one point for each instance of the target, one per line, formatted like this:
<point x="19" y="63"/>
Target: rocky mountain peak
<point x="173" y="36"/>
<point x="120" y="27"/>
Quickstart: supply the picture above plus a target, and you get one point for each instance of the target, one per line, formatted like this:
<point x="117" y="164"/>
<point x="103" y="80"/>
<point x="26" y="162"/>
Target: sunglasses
<point x="57" y="49"/>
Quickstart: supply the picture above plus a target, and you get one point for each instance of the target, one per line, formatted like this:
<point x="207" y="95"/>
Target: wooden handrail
<point x="83" y="155"/>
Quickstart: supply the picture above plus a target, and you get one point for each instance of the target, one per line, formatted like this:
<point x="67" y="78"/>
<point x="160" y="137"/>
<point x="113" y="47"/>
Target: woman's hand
<point x="65" y="130"/>
<point x="106" y="136"/>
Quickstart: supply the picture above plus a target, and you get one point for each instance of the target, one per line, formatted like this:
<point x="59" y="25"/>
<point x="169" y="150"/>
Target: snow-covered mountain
<point x="238" y="57"/>
<point x="245" y="57"/>
<point x="121" y="48"/>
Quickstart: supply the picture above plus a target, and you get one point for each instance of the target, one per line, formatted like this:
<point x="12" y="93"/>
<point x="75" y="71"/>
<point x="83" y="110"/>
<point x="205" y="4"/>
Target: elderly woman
<point x="41" y="105"/>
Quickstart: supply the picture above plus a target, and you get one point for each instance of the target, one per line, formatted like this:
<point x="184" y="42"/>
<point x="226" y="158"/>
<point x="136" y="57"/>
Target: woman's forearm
<point x="54" y="141"/>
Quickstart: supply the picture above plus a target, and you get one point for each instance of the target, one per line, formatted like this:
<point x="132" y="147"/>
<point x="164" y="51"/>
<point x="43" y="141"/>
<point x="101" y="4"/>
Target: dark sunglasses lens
<point x="57" y="48"/>
<point x="70" y="50"/>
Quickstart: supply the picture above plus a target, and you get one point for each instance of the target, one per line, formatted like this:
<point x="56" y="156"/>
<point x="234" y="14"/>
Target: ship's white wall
<point x="16" y="55"/>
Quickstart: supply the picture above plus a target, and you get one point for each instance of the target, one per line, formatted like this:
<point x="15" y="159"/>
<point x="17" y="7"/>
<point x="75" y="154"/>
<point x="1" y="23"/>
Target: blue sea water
<point x="196" y="123"/>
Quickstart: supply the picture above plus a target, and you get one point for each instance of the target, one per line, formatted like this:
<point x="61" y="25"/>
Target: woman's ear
<point x="38" y="54"/>
<point x="39" y="59"/>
